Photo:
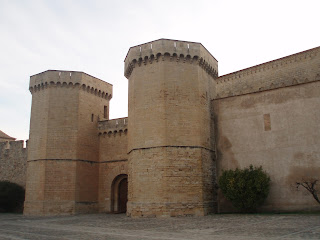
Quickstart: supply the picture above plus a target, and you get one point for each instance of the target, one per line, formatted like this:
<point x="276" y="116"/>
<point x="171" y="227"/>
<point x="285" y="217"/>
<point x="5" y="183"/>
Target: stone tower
<point x="171" y="161"/>
<point x="62" y="174"/>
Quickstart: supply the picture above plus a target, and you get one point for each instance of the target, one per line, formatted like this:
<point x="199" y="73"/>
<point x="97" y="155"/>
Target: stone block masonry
<point x="62" y="175"/>
<point x="278" y="130"/>
<point x="185" y="125"/>
<point x="113" y="161"/>
<point x="13" y="161"/>
<point x="169" y="129"/>
<point x="292" y="70"/>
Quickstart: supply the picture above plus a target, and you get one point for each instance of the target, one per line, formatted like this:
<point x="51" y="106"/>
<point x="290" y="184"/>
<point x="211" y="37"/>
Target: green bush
<point x="246" y="188"/>
<point x="11" y="197"/>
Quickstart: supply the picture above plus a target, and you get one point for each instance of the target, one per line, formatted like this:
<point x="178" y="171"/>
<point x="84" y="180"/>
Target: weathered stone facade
<point x="170" y="150"/>
<point x="185" y="125"/>
<point x="13" y="162"/>
<point x="63" y="174"/>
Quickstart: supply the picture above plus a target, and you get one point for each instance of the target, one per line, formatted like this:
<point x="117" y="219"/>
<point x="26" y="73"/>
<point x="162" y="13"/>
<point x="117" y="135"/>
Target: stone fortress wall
<point x="185" y="126"/>
<point x="113" y="159"/>
<point x="268" y="115"/>
<point x="292" y="70"/>
<point x="13" y="161"/>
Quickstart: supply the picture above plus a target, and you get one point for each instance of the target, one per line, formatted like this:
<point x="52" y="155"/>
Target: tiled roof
<point x="5" y="136"/>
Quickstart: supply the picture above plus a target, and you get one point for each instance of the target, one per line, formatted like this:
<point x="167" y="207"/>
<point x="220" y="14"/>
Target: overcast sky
<point x="94" y="36"/>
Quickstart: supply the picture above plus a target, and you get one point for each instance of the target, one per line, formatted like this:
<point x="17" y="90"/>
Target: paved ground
<point x="105" y="226"/>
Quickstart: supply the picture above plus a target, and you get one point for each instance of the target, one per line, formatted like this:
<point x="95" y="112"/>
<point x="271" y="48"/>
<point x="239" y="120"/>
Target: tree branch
<point x="310" y="187"/>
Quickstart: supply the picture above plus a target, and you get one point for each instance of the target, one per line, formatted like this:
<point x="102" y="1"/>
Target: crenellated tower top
<point x="71" y="78"/>
<point x="181" y="50"/>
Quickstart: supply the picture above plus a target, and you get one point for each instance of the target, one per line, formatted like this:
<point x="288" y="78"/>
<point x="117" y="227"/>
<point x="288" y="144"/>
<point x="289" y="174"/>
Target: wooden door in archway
<point x="123" y="195"/>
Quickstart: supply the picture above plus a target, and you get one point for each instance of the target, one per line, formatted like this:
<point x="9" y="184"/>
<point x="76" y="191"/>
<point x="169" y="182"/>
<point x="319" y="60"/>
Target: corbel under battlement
<point x="70" y="79"/>
<point x="170" y="50"/>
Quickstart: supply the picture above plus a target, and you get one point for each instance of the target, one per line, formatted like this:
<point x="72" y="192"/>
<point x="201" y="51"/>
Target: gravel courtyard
<point x="118" y="226"/>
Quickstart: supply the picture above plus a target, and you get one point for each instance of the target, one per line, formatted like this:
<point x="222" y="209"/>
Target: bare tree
<point x="311" y="187"/>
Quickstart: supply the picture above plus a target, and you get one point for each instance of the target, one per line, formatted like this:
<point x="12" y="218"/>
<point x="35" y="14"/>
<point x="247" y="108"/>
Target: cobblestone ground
<point x="108" y="226"/>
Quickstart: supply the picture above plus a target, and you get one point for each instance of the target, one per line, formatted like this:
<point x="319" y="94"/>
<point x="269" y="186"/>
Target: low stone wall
<point x="13" y="159"/>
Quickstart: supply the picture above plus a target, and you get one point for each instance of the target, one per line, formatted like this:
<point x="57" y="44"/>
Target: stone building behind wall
<point x="5" y="138"/>
<point x="185" y="125"/>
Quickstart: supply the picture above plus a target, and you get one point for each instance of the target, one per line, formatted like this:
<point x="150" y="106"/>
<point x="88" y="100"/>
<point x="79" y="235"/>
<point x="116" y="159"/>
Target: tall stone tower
<point x="62" y="170"/>
<point x="170" y="139"/>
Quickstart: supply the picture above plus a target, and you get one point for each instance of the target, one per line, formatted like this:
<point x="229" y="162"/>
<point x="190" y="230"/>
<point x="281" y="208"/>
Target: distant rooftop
<point x="5" y="137"/>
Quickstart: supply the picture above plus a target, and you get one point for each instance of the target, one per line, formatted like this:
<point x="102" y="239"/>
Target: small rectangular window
<point x="267" y="122"/>
<point x="92" y="117"/>
<point x="106" y="112"/>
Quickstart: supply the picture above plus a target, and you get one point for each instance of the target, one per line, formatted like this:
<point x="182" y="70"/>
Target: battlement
<point x="171" y="49"/>
<point x="81" y="80"/>
<point x="113" y="126"/>
<point x="283" y="72"/>
<point x="12" y="145"/>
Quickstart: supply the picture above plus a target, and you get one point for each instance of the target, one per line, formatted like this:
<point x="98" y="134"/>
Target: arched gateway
<point x="119" y="194"/>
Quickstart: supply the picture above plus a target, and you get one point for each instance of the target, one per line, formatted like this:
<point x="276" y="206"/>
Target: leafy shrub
<point x="246" y="188"/>
<point x="11" y="197"/>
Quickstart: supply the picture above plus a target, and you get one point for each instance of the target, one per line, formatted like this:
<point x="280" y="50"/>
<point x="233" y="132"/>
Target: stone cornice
<point x="172" y="146"/>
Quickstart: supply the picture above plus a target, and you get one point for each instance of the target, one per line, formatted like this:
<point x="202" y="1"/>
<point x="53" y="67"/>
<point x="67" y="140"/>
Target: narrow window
<point x="92" y="117"/>
<point x="267" y="122"/>
<point x="105" y="112"/>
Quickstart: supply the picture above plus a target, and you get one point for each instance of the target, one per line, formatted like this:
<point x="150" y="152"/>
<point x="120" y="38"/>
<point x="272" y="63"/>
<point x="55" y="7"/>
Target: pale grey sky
<point x="94" y="36"/>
